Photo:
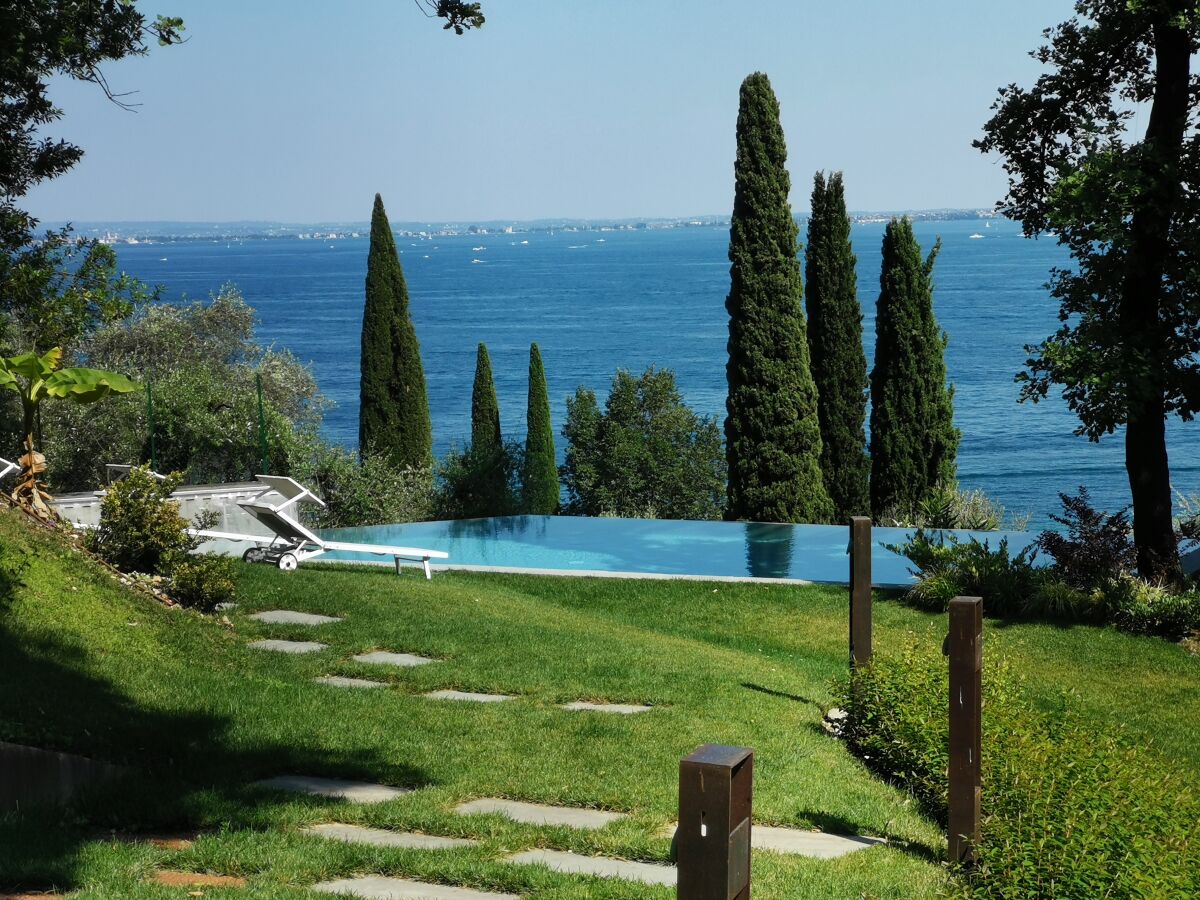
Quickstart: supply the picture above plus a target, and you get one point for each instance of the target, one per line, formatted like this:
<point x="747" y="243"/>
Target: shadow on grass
<point x="187" y="769"/>
<point x="782" y="695"/>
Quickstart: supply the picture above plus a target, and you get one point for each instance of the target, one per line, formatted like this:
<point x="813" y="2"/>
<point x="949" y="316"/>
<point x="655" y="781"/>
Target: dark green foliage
<point x="43" y="39"/>
<point x="478" y="483"/>
<point x="360" y="491"/>
<point x="647" y="455"/>
<point x="772" y="436"/>
<point x="540" y="492"/>
<point x="485" y="408"/>
<point x="140" y="527"/>
<point x="393" y="416"/>
<point x="1139" y="607"/>
<point x="913" y="438"/>
<point x="837" y="358"/>
<point x="1096" y="547"/>
<point x="1069" y="810"/>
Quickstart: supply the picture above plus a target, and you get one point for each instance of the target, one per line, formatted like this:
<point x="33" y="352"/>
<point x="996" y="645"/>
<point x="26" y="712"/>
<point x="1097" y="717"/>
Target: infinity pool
<point x="652" y="547"/>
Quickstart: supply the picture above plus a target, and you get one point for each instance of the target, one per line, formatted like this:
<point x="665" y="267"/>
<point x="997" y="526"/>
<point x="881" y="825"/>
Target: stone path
<point x="816" y="844"/>
<point x="355" y="791"/>
<point x="341" y="681"/>
<point x="538" y="814"/>
<point x="467" y="696"/>
<point x="600" y="866"/>
<point x="799" y="842"/>
<point x="377" y="837"/>
<point x="623" y="709"/>
<point x="378" y="888"/>
<point x="291" y="617"/>
<point x="288" y="646"/>
<point x="384" y="658"/>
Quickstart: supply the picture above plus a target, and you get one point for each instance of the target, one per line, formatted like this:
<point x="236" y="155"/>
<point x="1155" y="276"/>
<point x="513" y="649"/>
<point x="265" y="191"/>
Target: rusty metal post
<point x="964" y="646"/>
<point x="713" y="840"/>
<point x="860" y="591"/>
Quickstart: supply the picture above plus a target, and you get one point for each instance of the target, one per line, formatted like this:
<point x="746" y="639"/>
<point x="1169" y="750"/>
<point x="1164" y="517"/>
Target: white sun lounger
<point x="7" y="468"/>
<point x="293" y="543"/>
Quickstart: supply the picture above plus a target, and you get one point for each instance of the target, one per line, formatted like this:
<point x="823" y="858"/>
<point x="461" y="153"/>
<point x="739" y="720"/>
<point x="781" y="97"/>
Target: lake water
<point x="596" y="301"/>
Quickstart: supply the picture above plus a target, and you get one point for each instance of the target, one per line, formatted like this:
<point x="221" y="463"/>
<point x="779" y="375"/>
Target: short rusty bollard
<point x="713" y="840"/>
<point x="860" y="591"/>
<point x="964" y="646"/>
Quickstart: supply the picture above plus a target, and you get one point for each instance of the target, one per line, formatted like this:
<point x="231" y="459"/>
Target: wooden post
<point x="964" y="646"/>
<point x="713" y="839"/>
<point x="860" y="591"/>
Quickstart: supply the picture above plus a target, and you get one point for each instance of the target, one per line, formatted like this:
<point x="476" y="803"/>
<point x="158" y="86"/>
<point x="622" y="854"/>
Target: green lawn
<point x="90" y="668"/>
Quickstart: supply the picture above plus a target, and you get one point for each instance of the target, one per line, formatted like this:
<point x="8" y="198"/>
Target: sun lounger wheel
<point x="253" y="555"/>
<point x="288" y="562"/>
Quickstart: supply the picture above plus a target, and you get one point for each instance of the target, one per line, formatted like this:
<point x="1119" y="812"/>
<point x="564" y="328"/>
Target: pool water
<point x="653" y="547"/>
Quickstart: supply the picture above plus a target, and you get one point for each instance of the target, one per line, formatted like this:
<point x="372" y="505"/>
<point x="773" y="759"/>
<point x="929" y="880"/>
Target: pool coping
<point x="602" y="573"/>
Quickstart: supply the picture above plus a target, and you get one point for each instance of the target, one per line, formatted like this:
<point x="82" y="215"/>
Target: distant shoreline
<point x="157" y="231"/>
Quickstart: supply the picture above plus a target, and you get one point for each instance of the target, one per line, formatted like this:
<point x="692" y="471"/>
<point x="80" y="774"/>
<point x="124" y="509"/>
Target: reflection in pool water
<point x="653" y="546"/>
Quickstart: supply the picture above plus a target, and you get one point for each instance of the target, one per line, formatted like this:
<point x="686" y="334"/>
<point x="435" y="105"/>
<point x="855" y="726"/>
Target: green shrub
<point x="1068" y="811"/>
<point x="370" y="492"/>
<point x="140" y="527"/>
<point x="201" y="582"/>
<point x="1142" y="608"/>
<point x="479" y="483"/>
<point x="953" y="507"/>
<point x="1096" y="548"/>
<point x="948" y="568"/>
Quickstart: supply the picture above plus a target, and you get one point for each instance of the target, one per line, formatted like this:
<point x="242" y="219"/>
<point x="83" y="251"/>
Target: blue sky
<point x="300" y="111"/>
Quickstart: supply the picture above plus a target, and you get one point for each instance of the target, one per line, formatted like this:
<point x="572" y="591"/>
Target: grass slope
<point x="91" y="668"/>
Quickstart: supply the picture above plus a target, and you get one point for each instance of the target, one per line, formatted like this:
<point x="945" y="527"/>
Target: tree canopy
<point x="1126" y="353"/>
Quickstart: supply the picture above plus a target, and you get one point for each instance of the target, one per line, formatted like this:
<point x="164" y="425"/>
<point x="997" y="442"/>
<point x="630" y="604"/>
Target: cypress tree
<point x="393" y="415"/>
<point x="772" y="437"/>
<point x="835" y="341"/>
<point x="485" y="408"/>
<point x="913" y="438"/>
<point x="539" y="475"/>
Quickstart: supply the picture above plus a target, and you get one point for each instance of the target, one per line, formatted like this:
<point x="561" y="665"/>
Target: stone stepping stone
<point x="377" y="837"/>
<point x="467" y="696"/>
<point x="600" y="866"/>
<point x="378" y="888"/>
<point x="621" y="709"/>
<point x="195" y="879"/>
<point x="384" y="658"/>
<point x="538" y="814"/>
<point x="354" y="791"/>
<point x="343" y="682"/>
<point x="288" y="646"/>
<point x="818" y="844"/>
<point x="173" y="840"/>
<point x="291" y="617"/>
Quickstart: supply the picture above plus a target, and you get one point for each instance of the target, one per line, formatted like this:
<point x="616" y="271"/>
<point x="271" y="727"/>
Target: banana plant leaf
<point x="86" y="385"/>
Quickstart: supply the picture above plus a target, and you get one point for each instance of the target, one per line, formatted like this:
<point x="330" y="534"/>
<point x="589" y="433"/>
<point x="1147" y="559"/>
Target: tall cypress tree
<point x="393" y="415"/>
<point x="485" y="408"/>
<point x="772" y="438"/>
<point x="539" y="476"/>
<point x="835" y="341"/>
<point x="913" y="438"/>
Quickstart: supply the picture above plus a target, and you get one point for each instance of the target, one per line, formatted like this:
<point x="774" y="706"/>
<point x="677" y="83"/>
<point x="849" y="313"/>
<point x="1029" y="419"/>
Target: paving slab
<point x="378" y="837"/>
<point x="600" y="866"/>
<point x="797" y="842"/>
<point x="340" y="681"/>
<point x="379" y="888"/>
<point x="355" y="791"/>
<point x="291" y="617"/>
<point x="288" y="646"/>
<point x="467" y="696"/>
<point x="384" y="658"/>
<point x="539" y="814"/>
<point x="621" y="709"/>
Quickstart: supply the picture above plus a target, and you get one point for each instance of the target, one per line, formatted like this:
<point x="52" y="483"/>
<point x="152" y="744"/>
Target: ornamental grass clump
<point x="1070" y="810"/>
